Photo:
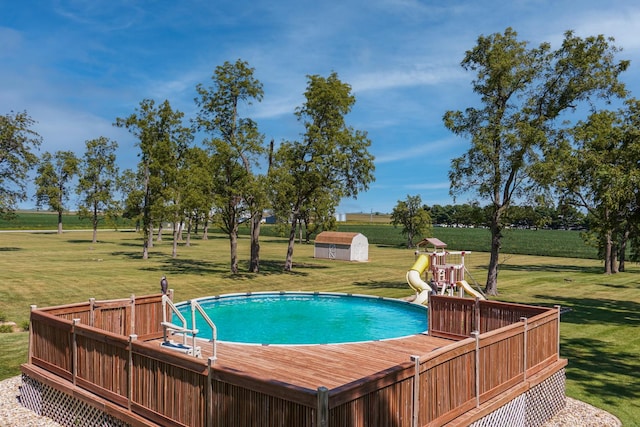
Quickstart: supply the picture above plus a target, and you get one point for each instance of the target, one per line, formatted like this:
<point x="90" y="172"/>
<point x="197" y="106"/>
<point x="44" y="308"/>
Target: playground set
<point x="444" y="272"/>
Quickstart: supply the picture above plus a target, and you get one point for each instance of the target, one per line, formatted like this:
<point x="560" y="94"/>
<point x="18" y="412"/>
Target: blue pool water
<point x="307" y="318"/>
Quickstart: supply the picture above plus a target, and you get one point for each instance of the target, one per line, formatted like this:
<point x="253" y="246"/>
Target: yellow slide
<point x="467" y="287"/>
<point x="414" y="279"/>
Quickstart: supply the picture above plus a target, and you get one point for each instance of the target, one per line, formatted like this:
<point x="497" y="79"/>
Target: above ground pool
<point x="306" y="318"/>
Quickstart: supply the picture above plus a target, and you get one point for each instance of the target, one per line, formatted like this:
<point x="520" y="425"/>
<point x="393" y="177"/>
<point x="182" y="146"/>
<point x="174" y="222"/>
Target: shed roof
<point x="340" y="237"/>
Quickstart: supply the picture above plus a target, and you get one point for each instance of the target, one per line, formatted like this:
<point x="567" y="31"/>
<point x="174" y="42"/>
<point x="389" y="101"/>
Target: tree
<point x="162" y="138"/>
<point x="235" y="145"/>
<point x="97" y="182"/>
<point x="197" y="185"/>
<point x="17" y="142"/>
<point x="52" y="183"/>
<point x="598" y="172"/>
<point x="413" y="217"/>
<point x="130" y="185"/>
<point x="523" y="91"/>
<point x="332" y="160"/>
<point x="170" y="171"/>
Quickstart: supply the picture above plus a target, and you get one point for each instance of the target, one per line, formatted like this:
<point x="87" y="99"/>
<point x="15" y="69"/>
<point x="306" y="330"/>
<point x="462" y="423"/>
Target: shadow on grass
<point x="269" y="268"/>
<point x="176" y="266"/>
<point x="594" y="365"/>
<point x="128" y="254"/>
<point x="550" y="268"/>
<point x="10" y="249"/>
<point x="382" y="285"/>
<point x="589" y="311"/>
<point x="133" y="242"/>
<point x="85" y="241"/>
<point x="600" y="371"/>
<point x="387" y="246"/>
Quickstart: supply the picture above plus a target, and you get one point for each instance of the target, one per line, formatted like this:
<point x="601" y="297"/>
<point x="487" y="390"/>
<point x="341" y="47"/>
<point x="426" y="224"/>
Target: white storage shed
<point x="342" y="245"/>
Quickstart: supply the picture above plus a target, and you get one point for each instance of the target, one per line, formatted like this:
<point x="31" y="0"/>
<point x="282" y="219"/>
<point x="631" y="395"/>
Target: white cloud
<point x="444" y="185"/>
<point x="423" y="150"/>
<point x="390" y="79"/>
<point x="65" y="129"/>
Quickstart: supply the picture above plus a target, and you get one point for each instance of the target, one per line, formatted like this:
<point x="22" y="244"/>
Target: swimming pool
<point x="307" y="318"/>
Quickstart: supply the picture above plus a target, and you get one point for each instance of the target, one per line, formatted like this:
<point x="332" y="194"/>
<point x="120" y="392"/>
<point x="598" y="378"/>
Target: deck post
<point x="74" y="352"/>
<point x="132" y="316"/>
<point x="557" y="307"/>
<point x="322" y="411"/>
<point x="209" y="393"/>
<point x="524" y="346"/>
<point x="416" y="391"/>
<point x="132" y="337"/>
<point x="476" y="335"/>
<point x="30" y="349"/>
<point x="429" y="316"/>
<point x="92" y="303"/>
<point x="476" y="315"/>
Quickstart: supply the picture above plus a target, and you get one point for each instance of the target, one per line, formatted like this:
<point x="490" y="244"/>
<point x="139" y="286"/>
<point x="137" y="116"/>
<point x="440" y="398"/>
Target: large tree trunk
<point x="60" y="222"/>
<point x="254" y="263"/>
<point x="491" y="287"/>
<point x="146" y="216"/>
<point x="95" y="224"/>
<point x="145" y="241"/>
<point x="174" y="250"/>
<point x="288" y="264"/>
<point x="150" y="235"/>
<point x="180" y="225"/>
<point x="205" y="230"/>
<point x="614" y="258"/>
<point x="189" y="226"/>
<point x="623" y="249"/>
<point x="233" y="243"/>
<point x="607" y="252"/>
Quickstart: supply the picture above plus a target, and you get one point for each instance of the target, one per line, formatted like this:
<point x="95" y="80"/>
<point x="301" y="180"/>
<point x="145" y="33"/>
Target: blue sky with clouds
<point x="75" y="66"/>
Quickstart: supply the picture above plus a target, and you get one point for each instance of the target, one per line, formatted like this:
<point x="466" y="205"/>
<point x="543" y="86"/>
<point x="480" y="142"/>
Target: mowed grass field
<point x="599" y="335"/>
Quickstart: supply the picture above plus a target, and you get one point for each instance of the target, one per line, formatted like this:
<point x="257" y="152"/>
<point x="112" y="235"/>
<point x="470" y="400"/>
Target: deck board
<point x="313" y="366"/>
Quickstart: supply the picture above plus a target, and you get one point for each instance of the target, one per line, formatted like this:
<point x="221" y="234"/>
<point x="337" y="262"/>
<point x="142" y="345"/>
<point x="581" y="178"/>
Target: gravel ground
<point x="12" y="414"/>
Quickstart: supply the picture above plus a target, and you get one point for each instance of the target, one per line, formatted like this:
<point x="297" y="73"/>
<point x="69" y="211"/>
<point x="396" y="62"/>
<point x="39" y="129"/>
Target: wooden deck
<point x="478" y="356"/>
<point x="313" y="366"/>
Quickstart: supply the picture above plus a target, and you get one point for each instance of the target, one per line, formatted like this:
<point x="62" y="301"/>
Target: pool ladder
<point x="192" y="350"/>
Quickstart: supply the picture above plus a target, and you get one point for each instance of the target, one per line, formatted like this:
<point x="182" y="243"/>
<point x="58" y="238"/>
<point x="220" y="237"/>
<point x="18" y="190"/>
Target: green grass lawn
<point x="599" y="336"/>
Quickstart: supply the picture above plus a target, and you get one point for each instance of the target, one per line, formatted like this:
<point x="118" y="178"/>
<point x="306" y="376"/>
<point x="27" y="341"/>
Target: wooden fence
<point x="499" y="346"/>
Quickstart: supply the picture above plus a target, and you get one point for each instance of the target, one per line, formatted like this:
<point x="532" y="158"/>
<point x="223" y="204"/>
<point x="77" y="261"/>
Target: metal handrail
<point x="195" y="305"/>
<point x="166" y="301"/>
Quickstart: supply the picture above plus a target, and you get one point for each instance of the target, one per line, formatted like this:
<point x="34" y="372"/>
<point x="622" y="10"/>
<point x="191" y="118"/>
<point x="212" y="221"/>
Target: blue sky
<point x="75" y="66"/>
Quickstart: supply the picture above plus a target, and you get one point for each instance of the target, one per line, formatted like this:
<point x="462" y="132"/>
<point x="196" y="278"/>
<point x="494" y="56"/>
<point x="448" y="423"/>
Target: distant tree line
<point x="213" y="168"/>
<point x="525" y="217"/>
<point x="417" y="219"/>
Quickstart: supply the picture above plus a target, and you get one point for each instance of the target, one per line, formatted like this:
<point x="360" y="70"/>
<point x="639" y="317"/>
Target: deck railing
<point x="457" y="318"/>
<point x="513" y="343"/>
